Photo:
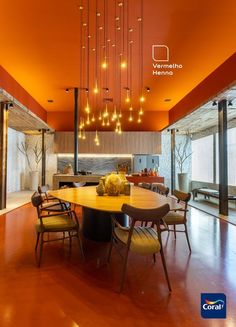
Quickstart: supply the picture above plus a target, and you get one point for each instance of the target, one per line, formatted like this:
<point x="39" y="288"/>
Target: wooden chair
<point x="140" y="239"/>
<point x="66" y="221"/>
<point x="50" y="203"/>
<point x="179" y="216"/>
<point x="145" y="185"/>
<point x="160" y="188"/>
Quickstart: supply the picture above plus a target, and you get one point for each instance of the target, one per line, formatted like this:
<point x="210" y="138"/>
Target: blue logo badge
<point x="213" y="305"/>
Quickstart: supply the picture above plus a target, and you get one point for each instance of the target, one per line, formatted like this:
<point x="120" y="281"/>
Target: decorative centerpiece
<point x="127" y="187"/>
<point x="100" y="189"/>
<point x="113" y="184"/>
<point x="68" y="169"/>
<point x="123" y="180"/>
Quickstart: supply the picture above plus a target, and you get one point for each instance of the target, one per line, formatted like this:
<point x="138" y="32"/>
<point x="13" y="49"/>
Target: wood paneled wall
<point x="111" y="143"/>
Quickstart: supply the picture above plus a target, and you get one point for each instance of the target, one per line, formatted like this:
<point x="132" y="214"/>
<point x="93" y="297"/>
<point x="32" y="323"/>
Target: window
<point x="202" y="159"/>
<point x="231" y="157"/>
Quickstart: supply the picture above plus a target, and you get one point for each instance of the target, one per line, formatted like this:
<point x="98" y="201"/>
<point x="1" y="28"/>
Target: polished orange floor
<point x="66" y="292"/>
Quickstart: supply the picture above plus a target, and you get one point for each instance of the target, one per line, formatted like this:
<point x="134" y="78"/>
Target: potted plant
<point x="34" y="152"/>
<point x="182" y="154"/>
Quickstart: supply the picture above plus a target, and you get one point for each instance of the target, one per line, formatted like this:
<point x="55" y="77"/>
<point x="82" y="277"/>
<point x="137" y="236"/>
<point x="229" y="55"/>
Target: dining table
<point x="97" y="210"/>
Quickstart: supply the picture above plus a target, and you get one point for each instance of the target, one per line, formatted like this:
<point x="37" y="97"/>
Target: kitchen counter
<point x="145" y="179"/>
<point x="67" y="179"/>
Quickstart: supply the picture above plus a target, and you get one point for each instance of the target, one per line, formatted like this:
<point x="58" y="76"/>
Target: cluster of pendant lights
<point x="106" y="61"/>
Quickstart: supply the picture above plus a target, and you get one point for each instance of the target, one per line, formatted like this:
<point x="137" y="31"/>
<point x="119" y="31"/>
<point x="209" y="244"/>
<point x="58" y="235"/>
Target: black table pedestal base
<point x="97" y="225"/>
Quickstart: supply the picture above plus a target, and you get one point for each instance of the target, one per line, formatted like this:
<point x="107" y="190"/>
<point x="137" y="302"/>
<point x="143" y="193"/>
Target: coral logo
<point x="213" y="305"/>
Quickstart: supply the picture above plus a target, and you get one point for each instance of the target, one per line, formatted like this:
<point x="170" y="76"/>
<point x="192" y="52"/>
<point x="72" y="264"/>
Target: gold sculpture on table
<point x="113" y="185"/>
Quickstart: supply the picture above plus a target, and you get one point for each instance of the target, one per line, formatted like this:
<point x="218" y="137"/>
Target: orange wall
<point x="10" y="85"/>
<point x="220" y="79"/>
<point x="151" y="121"/>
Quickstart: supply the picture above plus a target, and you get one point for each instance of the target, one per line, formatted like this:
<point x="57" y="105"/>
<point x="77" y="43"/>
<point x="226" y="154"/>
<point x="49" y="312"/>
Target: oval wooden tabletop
<point x="139" y="197"/>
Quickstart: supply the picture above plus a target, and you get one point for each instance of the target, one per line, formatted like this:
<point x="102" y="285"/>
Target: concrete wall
<point x="51" y="158"/>
<point x="165" y="159"/>
<point x="15" y="162"/>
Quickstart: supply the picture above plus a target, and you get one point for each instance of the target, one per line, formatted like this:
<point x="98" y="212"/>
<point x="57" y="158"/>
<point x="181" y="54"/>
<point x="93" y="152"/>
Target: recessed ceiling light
<point x="50" y="100"/>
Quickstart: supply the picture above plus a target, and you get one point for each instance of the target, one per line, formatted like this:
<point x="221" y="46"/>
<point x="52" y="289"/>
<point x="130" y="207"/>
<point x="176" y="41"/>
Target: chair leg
<point x="124" y="270"/>
<point x="186" y="233"/>
<point x="154" y="257"/>
<point x="41" y="250"/>
<point x="165" y="269"/>
<point x="37" y="242"/>
<point x="69" y="241"/>
<point x="175" y="231"/>
<point x="110" y="250"/>
<point x="80" y="245"/>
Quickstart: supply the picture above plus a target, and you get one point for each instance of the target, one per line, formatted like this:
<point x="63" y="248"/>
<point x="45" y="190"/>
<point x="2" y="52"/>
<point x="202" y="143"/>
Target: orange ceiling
<point x="40" y="46"/>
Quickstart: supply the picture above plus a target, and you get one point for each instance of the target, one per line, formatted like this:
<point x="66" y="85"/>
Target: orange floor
<point x="66" y="292"/>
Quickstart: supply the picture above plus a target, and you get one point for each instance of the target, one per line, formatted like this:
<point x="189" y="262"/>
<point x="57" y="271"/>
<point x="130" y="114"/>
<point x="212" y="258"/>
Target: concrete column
<point x="3" y="154"/>
<point x="223" y="157"/>
<point x="172" y="160"/>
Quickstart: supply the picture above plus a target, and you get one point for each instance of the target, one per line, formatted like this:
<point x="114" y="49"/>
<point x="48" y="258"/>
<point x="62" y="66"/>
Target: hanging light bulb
<point x="120" y="114"/>
<point x="114" y="115"/>
<point x="87" y="108"/>
<point x="142" y="99"/>
<point x="88" y="120"/>
<point x="100" y="116"/>
<point x="81" y="125"/>
<point x="95" y="90"/>
<point x="139" y="119"/>
<point x="84" y="136"/>
<point x="106" y="114"/>
<point x="130" y="117"/>
<point x="108" y="122"/>
<point x="123" y="64"/>
<point x="127" y="99"/>
<point x="119" y="130"/>
<point x="96" y="137"/>
<point x="130" y="108"/>
<point x="93" y="119"/>
<point x="104" y="64"/>
<point x="103" y="122"/>
<point x="140" y="111"/>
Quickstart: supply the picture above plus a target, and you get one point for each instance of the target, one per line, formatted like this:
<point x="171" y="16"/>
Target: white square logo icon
<point x="160" y="53"/>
